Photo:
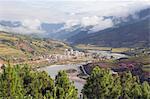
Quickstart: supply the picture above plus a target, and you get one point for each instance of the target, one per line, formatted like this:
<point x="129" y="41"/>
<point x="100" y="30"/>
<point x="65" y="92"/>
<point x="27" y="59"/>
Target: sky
<point x="72" y="12"/>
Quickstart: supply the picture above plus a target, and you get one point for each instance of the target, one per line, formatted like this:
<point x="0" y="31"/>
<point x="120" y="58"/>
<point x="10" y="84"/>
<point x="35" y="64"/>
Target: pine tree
<point x="145" y="90"/>
<point x="100" y="85"/>
<point x="136" y="91"/>
<point x="19" y="82"/>
<point x="11" y="84"/>
<point x="41" y="85"/>
<point x="130" y="86"/>
<point x="115" y="91"/>
<point x="64" y="88"/>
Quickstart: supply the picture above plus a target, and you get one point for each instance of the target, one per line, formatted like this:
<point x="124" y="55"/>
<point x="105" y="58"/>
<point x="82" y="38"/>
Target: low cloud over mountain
<point x="131" y="32"/>
<point x="32" y="14"/>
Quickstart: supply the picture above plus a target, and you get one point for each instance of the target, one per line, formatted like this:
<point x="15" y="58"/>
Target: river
<point x="54" y="69"/>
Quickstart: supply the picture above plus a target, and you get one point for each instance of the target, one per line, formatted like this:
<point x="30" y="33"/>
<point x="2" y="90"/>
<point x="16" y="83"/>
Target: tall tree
<point x="100" y="85"/>
<point x="115" y="91"/>
<point x="131" y="87"/>
<point x="11" y="84"/>
<point x="41" y="85"/>
<point x="145" y="90"/>
<point x="64" y="88"/>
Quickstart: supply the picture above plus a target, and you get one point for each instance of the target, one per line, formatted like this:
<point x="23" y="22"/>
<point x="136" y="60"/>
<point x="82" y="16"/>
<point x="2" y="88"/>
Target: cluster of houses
<point x="75" y="54"/>
<point x="68" y="54"/>
<point x="71" y="52"/>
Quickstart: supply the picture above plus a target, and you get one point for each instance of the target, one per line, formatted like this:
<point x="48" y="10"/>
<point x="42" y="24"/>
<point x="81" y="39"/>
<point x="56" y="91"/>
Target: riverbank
<point x="73" y="76"/>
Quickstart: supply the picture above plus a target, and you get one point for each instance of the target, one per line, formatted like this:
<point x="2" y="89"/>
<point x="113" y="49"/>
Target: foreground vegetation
<point x="20" y="82"/>
<point x="103" y="85"/>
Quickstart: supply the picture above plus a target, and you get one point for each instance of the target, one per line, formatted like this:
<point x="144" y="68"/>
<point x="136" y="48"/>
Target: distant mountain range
<point x="130" y="31"/>
<point x="131" y="35"/>
<point x="133" y="32"/>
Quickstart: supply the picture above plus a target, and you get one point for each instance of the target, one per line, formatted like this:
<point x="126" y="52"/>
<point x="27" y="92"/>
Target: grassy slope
<point x="18" y="46"/>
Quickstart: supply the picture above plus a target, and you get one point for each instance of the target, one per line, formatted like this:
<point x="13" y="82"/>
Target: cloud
<point x="91" y="12"/>
<point x="71" y="23"/>
<point x="26" y="27"/>
<point x="87" y="21"/>
<point x="20" y="30"/>
<point x="98" y="23"/>
<point x="102" y="24"/>
<point x="32" y="24"/>
<point x="56" y="11"/>
<point x="72" y="12"/>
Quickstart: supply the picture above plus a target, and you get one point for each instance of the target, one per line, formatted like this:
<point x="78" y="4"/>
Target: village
<point x="75" y="55"/>
<point x="72" y="55"/>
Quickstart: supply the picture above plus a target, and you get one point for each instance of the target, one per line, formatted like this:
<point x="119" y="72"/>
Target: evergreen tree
<point x="41" y="85"/>
<point x="115" y="91"/>
<point x="21" y="82"/>
<point x="145" y="90"/>
<point x="64" y="88"/>
<point x="11" y="84"/>
<point x="131" y="87"/>
<point x="100" y="85"/>
<point x="136" y="91"/>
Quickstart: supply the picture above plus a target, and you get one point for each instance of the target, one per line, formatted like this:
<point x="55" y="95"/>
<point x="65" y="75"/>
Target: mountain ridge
<point x="132" y="33"/>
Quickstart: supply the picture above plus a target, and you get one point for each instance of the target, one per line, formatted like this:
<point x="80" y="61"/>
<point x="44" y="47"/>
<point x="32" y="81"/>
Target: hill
<point x="16" y="47"/>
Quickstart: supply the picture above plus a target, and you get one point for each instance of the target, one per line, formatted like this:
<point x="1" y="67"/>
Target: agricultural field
<point x="93" y="47"/>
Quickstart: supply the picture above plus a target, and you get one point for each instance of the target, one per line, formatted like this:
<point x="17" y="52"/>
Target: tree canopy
<point x="101" y="84"/>
<point x="21" y="82"/>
